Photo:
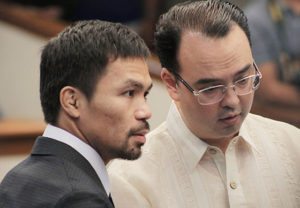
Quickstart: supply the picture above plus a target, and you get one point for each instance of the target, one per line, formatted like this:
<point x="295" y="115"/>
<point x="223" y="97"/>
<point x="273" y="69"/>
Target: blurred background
<point x="26" y="25"/>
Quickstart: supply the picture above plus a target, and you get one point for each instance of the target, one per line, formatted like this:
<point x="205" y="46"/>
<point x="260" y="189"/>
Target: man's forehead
<point x="198" y="49"/>
<point x="128" y="71"/>
<point x="190" y="34"/>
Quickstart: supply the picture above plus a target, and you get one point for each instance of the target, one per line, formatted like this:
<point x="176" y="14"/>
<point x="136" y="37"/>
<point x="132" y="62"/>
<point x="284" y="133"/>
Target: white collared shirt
<point x="84" y="149"/>
<point x="259" y="169"/>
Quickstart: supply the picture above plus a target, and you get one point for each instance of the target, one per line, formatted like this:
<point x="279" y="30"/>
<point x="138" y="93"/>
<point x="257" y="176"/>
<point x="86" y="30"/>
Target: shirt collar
<point x="244" y="133"/>
<point x="84" y="149"/>
<point x="192" y="146"/>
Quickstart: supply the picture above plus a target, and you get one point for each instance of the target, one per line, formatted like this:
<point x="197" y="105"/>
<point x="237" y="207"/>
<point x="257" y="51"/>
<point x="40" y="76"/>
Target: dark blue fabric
<point x="109" y="10"/>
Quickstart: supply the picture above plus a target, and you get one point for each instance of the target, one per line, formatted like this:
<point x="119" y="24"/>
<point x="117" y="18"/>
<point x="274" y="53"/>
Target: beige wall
<point x="19" y="64"/>
<point x="19" y="83"/>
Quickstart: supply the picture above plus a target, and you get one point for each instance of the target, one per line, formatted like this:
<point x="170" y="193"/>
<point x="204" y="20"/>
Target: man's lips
<point x="230" y="118"/>
<point x="141" y="132"/>
<point x="140" y="135"/>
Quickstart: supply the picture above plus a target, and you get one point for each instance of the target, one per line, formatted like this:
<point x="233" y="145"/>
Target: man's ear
<point x="170" y="81"/>
<point x="69" y="101"/>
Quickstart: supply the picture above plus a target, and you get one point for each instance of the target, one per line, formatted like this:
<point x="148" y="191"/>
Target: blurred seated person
<point x="167" y="4"/>
<point x="139" y="15"/>
<point x="73" y="10"/>
<point x="275" y="30"/>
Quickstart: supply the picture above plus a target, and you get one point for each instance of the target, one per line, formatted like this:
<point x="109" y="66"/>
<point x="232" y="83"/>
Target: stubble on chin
<point x="129" y="151"/>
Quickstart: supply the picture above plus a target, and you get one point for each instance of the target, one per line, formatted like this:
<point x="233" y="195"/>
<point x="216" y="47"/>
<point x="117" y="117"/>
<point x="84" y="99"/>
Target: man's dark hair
<point x="213" y="18"/>
<point x="78" y="57"/>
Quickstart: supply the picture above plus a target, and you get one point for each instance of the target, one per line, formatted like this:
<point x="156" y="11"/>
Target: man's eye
<point x="146" y="94"/>
<point x="210" y="90"/>
<point x="243" y="81"/>
<point x="129" y="93"/>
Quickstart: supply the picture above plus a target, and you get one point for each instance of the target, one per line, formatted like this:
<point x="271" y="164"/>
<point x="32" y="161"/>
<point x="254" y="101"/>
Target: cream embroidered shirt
<point x="261" y="168"/>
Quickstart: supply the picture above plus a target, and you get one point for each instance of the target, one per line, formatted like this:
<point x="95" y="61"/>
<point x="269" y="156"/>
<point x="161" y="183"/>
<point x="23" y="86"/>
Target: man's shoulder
<point x="158" y="131"/>
<point x="267" y="126"/>
<point x="46" y="179"/>
<point x="156" y="140"/>
<point x="33" y="180"/>
<point x="38" y="167"/>
<point x="38" y="171"/>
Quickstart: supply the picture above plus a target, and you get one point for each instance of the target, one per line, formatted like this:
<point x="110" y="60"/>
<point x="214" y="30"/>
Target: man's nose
<point x="230" y="99"/>
<point x="144" y="112"/>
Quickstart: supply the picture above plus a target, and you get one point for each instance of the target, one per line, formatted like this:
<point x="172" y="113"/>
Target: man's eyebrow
<point x="244" y="69"/>
<point x="137" y="84"/>
<point x="212" y="80"/>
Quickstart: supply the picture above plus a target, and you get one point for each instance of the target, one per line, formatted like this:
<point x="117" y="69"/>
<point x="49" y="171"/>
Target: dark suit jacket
<point x="54" y="175"/>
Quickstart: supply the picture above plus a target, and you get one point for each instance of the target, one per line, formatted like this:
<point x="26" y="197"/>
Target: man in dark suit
<point x="93" y="83"/>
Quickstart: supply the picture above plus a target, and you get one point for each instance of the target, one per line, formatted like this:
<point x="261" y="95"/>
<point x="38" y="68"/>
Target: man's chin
<point x="133" y="154"/>
<point x="231" y="132"/>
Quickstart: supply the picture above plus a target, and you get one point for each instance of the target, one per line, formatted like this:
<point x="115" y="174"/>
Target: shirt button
<point x="212" y="151"/>
<point x="233" y="185"/>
